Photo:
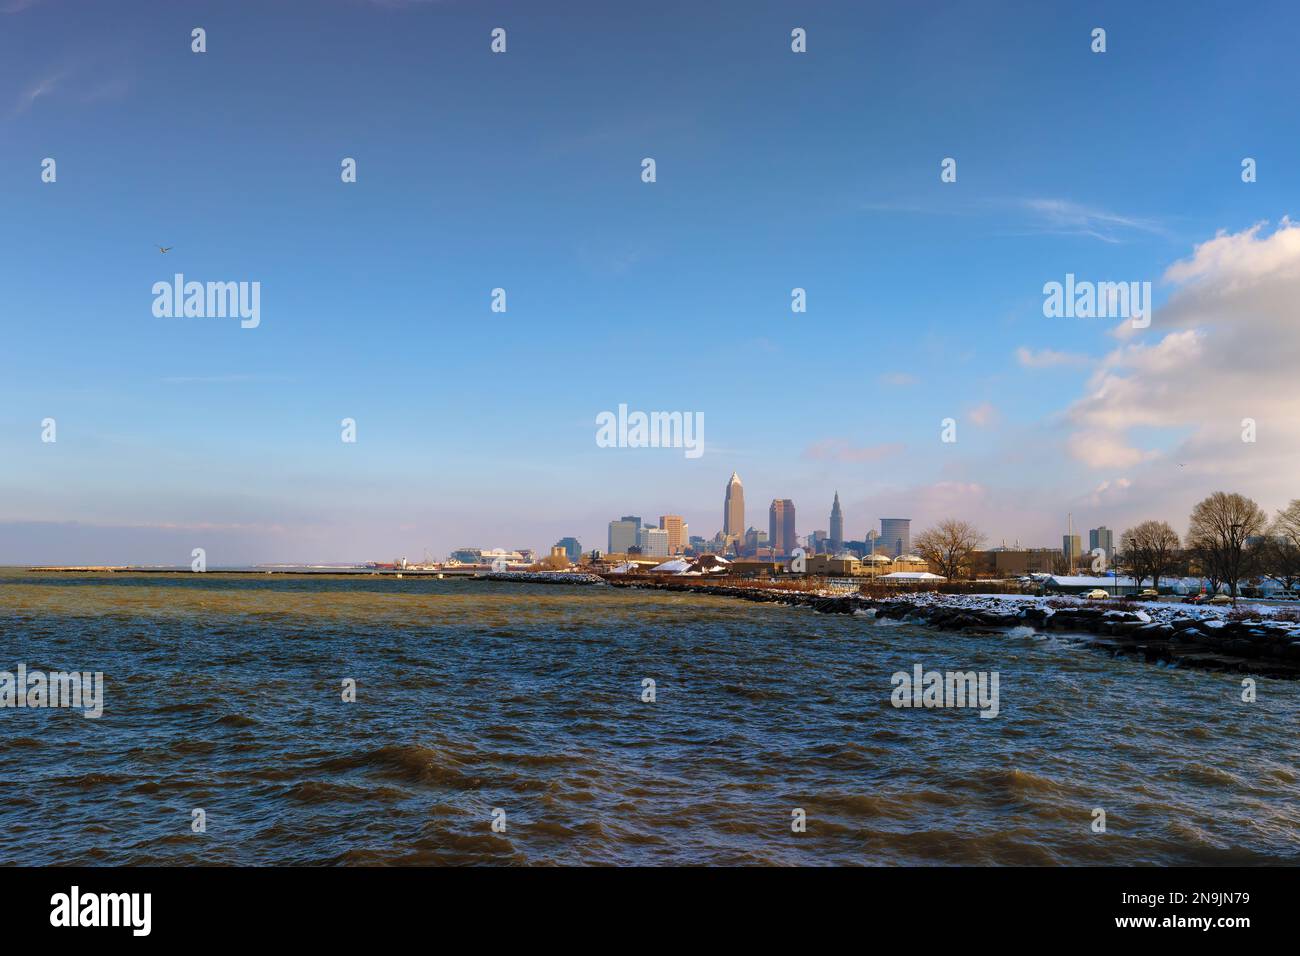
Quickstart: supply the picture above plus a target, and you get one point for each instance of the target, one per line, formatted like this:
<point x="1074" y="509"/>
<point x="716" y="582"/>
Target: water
<point x="223" y="693"/>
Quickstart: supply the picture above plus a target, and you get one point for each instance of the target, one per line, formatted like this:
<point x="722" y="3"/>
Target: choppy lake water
<point x="223" y="693"/>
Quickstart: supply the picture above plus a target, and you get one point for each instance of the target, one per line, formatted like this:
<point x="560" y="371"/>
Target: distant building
<point x="653" y="542"/>
<point x="678" y="533"/>
<point x="1102" y="538"/>
<point x="1071" y="547"/>
<point x="909" y="563"/>
<point x="754" y="539"/>
<point x="781" y="526"/>
<point x="818" y="541"/>
<point x="1082" y="584"/>
<point x="1013" y="562"/>
<point x="524" y="556"/>
<point x="572" y="549"/>
<point x="467" y="555"/>
<point x="895" y="537"/>
<point x="622" y="535"/>
<point x="733" y="509"/>
<point x="837" y="525"/>
<point x="832" y="566"/>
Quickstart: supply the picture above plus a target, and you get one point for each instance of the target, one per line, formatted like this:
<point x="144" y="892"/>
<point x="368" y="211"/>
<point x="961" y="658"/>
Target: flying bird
<point x="165" y="249"/>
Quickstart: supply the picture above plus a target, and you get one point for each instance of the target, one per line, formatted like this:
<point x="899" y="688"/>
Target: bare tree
<point x="1218" y="531"/>
<point x="948" y="546"/>
<point x="1281" y="549"/>
<point x="1150" y="550"/>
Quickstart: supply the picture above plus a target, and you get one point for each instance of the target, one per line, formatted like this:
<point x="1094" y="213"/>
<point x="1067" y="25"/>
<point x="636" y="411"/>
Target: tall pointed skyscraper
<point x="837" y="526"/>
<point x="733" y="509"/>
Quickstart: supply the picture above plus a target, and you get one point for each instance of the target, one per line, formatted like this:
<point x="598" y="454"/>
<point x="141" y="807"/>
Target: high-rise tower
<point x="837" y="526"/>
<point x="678" y="532"/>
<point x="895" y="537"/>
<point x="733" y="509"/>
<point x="781" y="533"/>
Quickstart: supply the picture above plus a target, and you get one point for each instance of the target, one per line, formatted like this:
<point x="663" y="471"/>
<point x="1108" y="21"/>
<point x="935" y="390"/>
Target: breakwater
<point x="543" y="577"/>
<point x="1176" y="634"/>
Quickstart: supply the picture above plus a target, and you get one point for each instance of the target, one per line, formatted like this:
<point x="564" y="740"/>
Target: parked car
<point x="1220" y="599"/>
<point x="1096" y="594"/>
<point x="1150" y="594"/>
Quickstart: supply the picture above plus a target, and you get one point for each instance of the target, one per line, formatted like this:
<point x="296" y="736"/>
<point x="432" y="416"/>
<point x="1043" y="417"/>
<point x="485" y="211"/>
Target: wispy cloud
<point x="837" y="449"/>
<point x="34" y="91"/>
<point x="1065" y="217"/>
<point x="82" y="79"/>
<point x="1034" y="215"/>
<point x="1049" y="358"/>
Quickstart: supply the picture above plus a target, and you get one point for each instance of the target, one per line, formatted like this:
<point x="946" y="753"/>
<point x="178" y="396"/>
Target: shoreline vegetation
<point x="1248" y="640"/>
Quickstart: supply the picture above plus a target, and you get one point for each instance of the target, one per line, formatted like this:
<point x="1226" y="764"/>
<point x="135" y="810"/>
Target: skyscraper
<point x="677" y="532"/>
<point x="653" y="542"/>
<point x="895" y="537"/>
<point x="780" y="522"/>
<point x="1102" y="538"/>
<point x="837" y="525"/>
<point x="733" y="509"/>
<point x="622" y="535"/>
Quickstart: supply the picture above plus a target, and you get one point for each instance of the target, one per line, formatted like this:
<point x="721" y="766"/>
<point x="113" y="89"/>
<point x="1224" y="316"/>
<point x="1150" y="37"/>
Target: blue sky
<point x="522" y="171"/>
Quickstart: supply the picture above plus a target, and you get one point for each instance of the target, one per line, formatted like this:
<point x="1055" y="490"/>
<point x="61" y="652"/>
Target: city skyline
<point x="377" y="295"/>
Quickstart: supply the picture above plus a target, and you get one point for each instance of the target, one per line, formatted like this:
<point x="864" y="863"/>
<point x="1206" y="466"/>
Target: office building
<point x="895" y="537"/>
<point x="653" y="542"/>
<point x="677" y="530"/>
<point x="781" y="526"/>
<point x="1102" y="538"/>
<point x="572" y="549"/>
<point x="622" y="535"/>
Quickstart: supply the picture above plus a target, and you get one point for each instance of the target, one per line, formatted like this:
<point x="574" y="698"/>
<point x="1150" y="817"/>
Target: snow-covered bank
<point x="1187" y="635"/>
<point x="1212" y="637"/>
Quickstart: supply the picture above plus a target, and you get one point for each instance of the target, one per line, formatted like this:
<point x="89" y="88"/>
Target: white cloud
<point x="1222" y="349"/>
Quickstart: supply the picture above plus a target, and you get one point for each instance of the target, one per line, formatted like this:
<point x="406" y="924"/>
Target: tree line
<point x="1230" y="539"/>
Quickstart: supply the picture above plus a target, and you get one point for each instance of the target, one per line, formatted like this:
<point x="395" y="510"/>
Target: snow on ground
<point x="1146" y="611"/>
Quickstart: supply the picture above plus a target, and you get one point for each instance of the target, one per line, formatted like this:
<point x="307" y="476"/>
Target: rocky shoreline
<point x="1177" y="634"/>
